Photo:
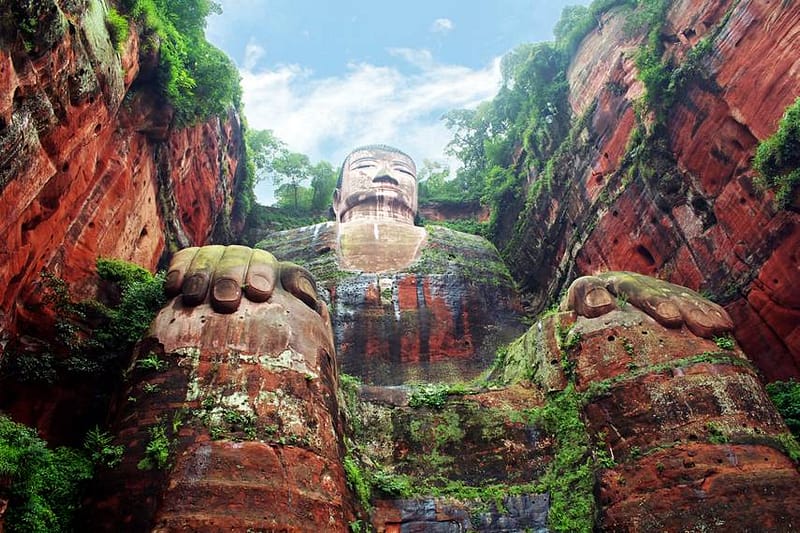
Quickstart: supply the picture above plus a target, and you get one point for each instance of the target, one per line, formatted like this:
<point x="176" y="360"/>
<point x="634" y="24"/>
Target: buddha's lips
<point x="387" y="180"/>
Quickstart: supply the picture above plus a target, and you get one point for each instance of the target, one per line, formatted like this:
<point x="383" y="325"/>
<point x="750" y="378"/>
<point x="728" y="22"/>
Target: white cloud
<point x="442" y="25"/>
<point x="327" y="117"/>
<point x="252" y="55"/>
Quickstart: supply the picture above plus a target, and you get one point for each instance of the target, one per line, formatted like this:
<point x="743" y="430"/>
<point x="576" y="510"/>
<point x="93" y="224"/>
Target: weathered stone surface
<point x="697" y="443"/>
<point x="521" y="513"/>
<point x="248" y="406"/>
<point x="92" y="166"/>
<point x="693" y="216"/>
<point x="472" y="443"/>
<point x="426" y="321"/>
<point x="702" y="487"/>
<point x="437" y="211"/>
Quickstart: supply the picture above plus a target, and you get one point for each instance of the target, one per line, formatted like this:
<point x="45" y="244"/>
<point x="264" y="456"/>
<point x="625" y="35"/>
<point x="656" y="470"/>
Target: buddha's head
<point x="376" y="181"/>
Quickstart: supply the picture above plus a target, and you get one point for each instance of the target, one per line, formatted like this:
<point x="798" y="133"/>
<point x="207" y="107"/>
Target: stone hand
<point x="670" y="305"/>
<point x="221" y="275"/>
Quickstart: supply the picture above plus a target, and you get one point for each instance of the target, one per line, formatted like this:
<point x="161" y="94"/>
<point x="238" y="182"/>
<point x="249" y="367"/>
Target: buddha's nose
<point x="384" y="175"/>
<point x="384" y="171"/>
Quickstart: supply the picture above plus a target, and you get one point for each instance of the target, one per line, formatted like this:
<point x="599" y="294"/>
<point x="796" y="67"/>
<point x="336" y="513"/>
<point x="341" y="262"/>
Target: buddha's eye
<point x="404" y="171"/>
<point x="361" y="166"/>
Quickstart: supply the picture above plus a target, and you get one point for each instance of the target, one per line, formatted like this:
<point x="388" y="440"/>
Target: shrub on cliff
<point x="777" y="159"/>
<point x="198" y="79"/>
<point x="786" y="397"/>
<point x="118" y="28"/>
<point x="43" y="486"/>
<point x="90" y="338"/>
<point x="142" y="298"/>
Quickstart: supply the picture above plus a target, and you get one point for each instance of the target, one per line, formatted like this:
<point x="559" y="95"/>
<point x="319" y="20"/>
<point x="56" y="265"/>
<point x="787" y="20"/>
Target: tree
<point x="323" y="182"/>
<point x="471" y="130"/>
<point x="290" y="171"/>
<point x="431" y="178"/>
<point x="263" y="148"/>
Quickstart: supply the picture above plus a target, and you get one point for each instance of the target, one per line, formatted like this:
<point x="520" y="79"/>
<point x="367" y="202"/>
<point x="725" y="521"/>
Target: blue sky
<point x="329" y="76"/>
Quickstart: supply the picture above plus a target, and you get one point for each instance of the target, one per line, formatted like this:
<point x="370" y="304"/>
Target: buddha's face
<point x="377" y="183"/>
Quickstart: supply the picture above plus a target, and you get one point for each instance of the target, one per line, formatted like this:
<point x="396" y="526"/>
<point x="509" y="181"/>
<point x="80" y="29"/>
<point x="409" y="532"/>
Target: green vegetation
<point x="198" y="79"/>
<point x="530" y="111"/>
<point x="467" y="256"/>
<point x="777" y="159"/>
<point x="118" y="29"/>
<point x="151" y="362"/>
<point x="464" y="225"/>
<point x="791" y="447"/>
<point x="100" y="450"/>
<point x="142" y="297"/>
<point x="357" y="526"/>
<point x="91" y="339"/>
<point x="434" y="185"/>
<point x="273" y="219"/>
<point x="599" y="388"/>
<point x="121" y="272"/>
<point x="303" y="190"/>
<point x="429" y="395"/>
<point x="434" y="441"/>
<point x="157" y="451"/>
<point x="570" y="477"/>
<point x="717" y="434"/>
<point x="663" y="79"/>
<point x="357" y="481"/>
<point x="391" y="484"/>
<point x="653" y="72"/>
<point x="786" y="397"/>
<point x="725" y="342"/>
<point x="43" y="486"/>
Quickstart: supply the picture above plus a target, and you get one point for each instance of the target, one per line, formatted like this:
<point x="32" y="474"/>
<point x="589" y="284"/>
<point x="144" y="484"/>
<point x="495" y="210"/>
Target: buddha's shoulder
<point x="300" y="244"/>
<point x="452" y="240"/>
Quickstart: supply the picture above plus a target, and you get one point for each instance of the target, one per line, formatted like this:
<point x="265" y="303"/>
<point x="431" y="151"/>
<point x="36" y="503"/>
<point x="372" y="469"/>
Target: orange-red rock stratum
<point x="92" y="164"/>
<point x="689" y="211"/>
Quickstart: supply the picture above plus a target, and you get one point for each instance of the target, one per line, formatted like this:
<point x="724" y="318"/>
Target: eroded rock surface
<point x="688" y="211"/>
<point x="244" y="406"/>
<point x="697" y="443"/>
<point x="91" y="163"/>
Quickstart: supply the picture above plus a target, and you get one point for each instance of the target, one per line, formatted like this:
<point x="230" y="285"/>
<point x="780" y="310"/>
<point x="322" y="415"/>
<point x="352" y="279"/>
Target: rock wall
<point x="92" y="164"/>
<point x="688" y="211"/>
<point x="436" y="211"/>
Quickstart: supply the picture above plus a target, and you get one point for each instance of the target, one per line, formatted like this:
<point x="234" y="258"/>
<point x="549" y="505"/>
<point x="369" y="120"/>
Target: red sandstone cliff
<point x="688" y="211"/>
<point x="91" y="162"/>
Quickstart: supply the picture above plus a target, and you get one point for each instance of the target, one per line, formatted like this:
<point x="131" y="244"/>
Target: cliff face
<point x="91" y="163"/>
<point x="682" y="205"/>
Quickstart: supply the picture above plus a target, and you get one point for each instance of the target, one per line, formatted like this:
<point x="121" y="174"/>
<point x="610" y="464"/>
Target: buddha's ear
<point x="337" y="196"/>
